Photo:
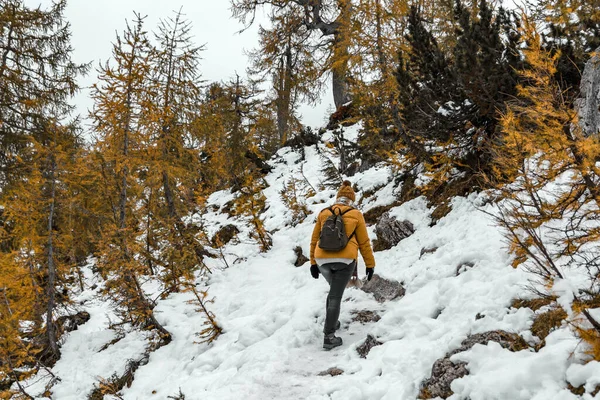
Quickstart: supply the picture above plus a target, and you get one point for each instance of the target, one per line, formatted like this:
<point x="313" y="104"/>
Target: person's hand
<point x="370" y="273"/>
<point x="314" y="271"/>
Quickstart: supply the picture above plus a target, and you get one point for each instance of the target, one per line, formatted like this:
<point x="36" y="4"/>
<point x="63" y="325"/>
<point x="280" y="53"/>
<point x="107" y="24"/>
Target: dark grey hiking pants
<point x="337" y="275"/>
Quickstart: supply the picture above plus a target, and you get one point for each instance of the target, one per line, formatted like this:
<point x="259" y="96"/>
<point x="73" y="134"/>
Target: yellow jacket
<point x="353" y="222"/>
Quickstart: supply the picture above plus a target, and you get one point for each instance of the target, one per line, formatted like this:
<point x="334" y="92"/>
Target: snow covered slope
<point x="272" y="314"/>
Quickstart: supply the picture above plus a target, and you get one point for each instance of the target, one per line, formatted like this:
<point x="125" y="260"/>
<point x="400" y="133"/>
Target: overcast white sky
<point x="94" y="23"/>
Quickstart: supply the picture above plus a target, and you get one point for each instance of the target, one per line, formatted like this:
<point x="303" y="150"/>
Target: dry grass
<point x="534" y="304"/>
<point x="546" y="322"/>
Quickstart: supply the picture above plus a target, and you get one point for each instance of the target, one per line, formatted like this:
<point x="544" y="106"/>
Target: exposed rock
<point x="428" y="250"/>
<point x="224" y="235"/>
<point x="580" y="390"/>
<point x="510" y="341"/>
<point x="306" y="137"/>
<point x="463" y="267"/>
<point x="300" y="257"/>
<point x="383" y="289"/>
<point x="365" y="316"/>
<point x="588" y="103"/>
<point x="372" y="215"/>
<point x="364" y="349"/>
<point x="440" y="212"/>
<point x="333" y="371"/>
<point x="68" y="323"/>
<point x="390" y="231"/>
<point x="437" y="312"/>
<point x="445" y="371"/>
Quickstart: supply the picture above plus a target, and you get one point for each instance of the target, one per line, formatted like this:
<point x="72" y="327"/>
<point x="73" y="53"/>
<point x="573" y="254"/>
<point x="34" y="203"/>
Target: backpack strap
<point x="350" y="209"/>
<point x="331" y="209"/>
<point x="350" y="237"/>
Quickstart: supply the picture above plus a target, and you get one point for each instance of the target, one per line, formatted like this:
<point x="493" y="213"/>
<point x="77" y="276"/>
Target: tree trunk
<point x="148" y="225"/>
<point x="341" y="93"/>
<point x="588" y="104"/>
<point x="51" y="333"/>
<point x="380" y="51"/>
<point x="339" y="70"/>
<point x="284" y="91"/>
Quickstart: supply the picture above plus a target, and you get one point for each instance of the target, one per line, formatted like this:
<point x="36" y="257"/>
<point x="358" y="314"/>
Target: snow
<point x="490" y="378"/>
<point x="588" y="374"/>
<point x="272" y="313"/>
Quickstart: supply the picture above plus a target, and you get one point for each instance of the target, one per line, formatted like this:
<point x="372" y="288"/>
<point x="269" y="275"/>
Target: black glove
<point x="314" y="271"/>
<point x="370" y="273"/>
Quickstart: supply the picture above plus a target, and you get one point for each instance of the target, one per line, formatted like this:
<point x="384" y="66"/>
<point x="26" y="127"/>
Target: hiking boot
<point x="337" y="325"/>
<point x="331" y="341"/>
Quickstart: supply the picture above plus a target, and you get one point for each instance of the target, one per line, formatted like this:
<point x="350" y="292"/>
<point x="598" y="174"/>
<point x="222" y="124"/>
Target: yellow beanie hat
<point x="346" y="191"/>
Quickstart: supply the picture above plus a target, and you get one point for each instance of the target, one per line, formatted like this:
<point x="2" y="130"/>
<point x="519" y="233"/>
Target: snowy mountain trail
<point x="458" y="282"/>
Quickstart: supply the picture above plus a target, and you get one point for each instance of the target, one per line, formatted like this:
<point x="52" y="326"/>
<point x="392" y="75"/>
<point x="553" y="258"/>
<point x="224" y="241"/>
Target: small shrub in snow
<point x="535" y="304"/>
<point x="178" y="396"/>
<point x="212" y="329"/>
<point x="293" y="194"/>
<point x="551" y="209"/>
<point x="251" y="204"/>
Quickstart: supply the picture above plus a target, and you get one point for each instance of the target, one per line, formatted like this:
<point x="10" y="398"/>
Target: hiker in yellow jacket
<point x="337" y="266"/>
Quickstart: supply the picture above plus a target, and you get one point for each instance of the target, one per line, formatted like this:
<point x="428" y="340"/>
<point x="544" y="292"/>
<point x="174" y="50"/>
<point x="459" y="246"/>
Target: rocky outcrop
<point x="427" y="250"/>
<point x="68" y="323"/>
<point x="300" y="257"/>
<point x="224" y="235"/>
<point x="364" y="349"/>
<point x="333" y="371"/>
<point x="365" y="316"/>
<point x="445" y="371"/>
<point x="390" y="231"/>
<point x="588" y="103"/>
<point x="383" y="289"/>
